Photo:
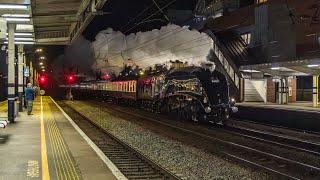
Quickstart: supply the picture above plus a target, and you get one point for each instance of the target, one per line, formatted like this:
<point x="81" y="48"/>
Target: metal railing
<point x="225" y="60"/>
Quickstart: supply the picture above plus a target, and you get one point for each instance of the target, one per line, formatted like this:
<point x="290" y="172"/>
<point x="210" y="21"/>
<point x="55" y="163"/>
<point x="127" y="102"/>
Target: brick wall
<point x="271" y="91"/>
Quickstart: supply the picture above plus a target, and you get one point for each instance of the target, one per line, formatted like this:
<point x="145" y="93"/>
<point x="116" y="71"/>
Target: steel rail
<point x="240" y="147"/>
<point x="292" y="143"/>
<point x="146" y="162"/>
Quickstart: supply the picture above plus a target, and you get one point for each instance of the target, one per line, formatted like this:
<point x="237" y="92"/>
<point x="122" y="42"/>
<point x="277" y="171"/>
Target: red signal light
<point x="70" y="78"/>
<point x="42" y="79"/>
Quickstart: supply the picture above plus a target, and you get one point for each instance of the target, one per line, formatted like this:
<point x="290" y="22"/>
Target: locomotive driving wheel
<point x="224" y="117"/>
<point x="194" y="111"/>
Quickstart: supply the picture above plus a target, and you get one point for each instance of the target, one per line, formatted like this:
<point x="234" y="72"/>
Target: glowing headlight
<point x="233" y="100"/>
<point x="207" y="109"/>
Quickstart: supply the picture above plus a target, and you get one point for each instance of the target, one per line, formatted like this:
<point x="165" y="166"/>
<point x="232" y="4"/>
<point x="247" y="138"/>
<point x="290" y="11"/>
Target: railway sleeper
<point x="125" y="170"/>
<point x="155" y="176"/>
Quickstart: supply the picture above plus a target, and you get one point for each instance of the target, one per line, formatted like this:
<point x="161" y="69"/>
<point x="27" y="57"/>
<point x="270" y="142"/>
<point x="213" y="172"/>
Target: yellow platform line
<point x="64" y="153"/>
<point x="57" y="162"/>
<point x="63" y="160"/>
<point x="44" y="156"/>
<point x="63" y="172"/>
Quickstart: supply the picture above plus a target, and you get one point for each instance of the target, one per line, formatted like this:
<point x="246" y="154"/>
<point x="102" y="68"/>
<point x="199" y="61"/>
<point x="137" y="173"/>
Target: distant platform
<point x="298" y="106"/>
<point x="47" y="145"/>
<point x="299" y="115"/>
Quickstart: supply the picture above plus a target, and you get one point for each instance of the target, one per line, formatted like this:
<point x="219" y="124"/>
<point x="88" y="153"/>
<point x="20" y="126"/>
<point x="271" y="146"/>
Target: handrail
<point x="225" y="60"/>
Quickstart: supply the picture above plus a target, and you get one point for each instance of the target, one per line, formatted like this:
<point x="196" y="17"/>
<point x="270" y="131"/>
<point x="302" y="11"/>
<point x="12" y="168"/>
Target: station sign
<point x="26" y="72"/>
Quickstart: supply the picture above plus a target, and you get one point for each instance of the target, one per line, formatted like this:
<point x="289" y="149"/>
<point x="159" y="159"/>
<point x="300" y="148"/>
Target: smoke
<point x="112" y="49"/>
<point x="77" y="57"/>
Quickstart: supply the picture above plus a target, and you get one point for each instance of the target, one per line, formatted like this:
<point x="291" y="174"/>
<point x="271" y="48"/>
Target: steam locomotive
<point x="193" y="93"/>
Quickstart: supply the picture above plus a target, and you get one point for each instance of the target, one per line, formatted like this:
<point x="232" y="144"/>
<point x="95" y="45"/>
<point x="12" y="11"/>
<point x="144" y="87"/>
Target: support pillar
<point x="20" y="76"/>
<point x="11" y="73"/>
<point x="31" y="73"/>
<point x="24" y="80"/>
<point x="315" y="92"/>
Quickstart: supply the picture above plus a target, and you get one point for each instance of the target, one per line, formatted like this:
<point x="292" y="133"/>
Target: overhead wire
<point x="143" y="11"/>
<point x="165" y="6"/>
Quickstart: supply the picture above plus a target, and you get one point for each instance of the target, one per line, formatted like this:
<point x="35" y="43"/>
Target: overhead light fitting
<point x="18" y="19"/>
<point x="22" y="34"/>
<point x="13" y="6"/>
<point x="23" y="39"/>
<point x="16" y="15"/>
<point x="313" y="65"/>
<point x="39" y="50"/>
<point x="24" y="27"/>
<point x="21" y="42"/>
<point x="275" y="68"/>
<point x="250" y="71"/>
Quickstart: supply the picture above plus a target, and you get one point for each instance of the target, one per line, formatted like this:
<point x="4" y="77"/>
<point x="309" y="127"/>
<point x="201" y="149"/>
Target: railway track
<point x="278" y="126"/>
<point x="269" y="162"/>
<point x="130" y="162"/>
<point x="283" y="141"/>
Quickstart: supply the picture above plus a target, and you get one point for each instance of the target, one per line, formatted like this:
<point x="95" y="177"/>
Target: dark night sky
<point x="124" y="13"/>
<point x="128" y="16"/>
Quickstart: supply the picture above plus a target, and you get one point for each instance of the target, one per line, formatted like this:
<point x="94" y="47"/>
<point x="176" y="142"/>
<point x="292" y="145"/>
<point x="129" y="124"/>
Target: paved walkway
<point x="47" y="146"/>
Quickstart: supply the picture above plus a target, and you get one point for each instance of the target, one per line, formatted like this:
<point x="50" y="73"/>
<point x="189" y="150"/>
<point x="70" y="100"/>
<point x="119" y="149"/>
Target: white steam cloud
<point x="112" y="49"/>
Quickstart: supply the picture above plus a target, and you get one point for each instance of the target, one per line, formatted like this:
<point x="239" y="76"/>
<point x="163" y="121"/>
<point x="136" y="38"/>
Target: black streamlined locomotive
<point x="194" y="93"/>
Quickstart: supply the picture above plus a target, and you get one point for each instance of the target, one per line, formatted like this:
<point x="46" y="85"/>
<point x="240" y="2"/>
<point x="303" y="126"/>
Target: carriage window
<point x="134" y="86"/>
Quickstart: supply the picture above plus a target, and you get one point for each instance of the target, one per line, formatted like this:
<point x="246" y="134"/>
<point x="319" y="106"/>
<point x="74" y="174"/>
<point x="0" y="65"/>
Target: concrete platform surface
<point x="300" y="115"/>
<point x="46" y="145"/>
<point x="297" y="106"/>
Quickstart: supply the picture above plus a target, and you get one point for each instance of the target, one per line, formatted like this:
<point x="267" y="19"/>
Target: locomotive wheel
<point x="183" y="114"/>
<point x="168" y="109"/>
<point x="194" y="113"/>
<point x="224" y="117"/>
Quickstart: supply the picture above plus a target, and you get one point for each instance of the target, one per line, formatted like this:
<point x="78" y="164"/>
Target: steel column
<point x="20" y="76"/>
<point x="11" y="72"/>
<point x="31" y="73"/>
<point x="24" y="80"/>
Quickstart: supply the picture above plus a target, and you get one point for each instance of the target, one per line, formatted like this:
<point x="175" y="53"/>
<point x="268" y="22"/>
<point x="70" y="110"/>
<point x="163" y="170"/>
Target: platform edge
<point x="115" y="171"/>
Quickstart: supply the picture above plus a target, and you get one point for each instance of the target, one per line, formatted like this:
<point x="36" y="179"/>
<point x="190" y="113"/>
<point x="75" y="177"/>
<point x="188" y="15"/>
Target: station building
<point x="270" y="49"/>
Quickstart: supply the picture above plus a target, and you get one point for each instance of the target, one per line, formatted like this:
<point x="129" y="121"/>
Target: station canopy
<point x="49" y="21"/>
<point x="302" y="67"/>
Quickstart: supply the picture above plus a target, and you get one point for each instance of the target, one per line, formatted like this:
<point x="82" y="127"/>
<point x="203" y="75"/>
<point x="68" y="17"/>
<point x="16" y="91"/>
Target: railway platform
<point x="49" y="145"/>
<point x="300" y="115"/>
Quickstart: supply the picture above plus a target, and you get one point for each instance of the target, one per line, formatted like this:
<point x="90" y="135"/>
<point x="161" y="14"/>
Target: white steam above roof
<point x="172" y="42"/>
